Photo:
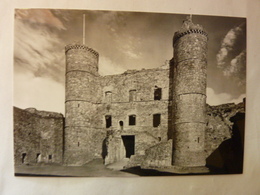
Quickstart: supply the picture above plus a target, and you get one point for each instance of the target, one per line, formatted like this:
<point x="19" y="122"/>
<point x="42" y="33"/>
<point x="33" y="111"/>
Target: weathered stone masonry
<point x="81" y="124"/>
<point x="38" y="137"/>
<point x="131" y="103"/>
<point x="190" y="64"/>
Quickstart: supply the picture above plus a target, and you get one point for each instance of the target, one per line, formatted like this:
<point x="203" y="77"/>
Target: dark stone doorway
<point x="129" y="143"/>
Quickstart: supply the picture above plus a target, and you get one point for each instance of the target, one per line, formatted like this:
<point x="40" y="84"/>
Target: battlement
<point x="77" y="46"/>
<point x="178" y="34"/>
<point x="189" y="28"/>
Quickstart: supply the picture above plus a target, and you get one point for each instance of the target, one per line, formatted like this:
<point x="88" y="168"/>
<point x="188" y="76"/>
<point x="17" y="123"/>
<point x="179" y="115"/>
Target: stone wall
<point x="159" y="155"/>
<point x="143" y="112"/>
<point x="222" y="122"/>
<point x="133" y="93"/>
<point x="116" y="150"/>
<point x="142" y="105"/>
<point x="113" y="147"/>
<point x="220" y="125"/>
<point x="143" y="81"/>
<point x="38" y="137"/>
<point x="82" y="145"/>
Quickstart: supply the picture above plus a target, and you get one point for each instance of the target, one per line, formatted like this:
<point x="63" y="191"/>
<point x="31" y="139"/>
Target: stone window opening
<point x="157" y="93"/>
<point x="108" y="121"/>
<point x="156" y="120"/>
<point x="132" y="95"/>
<point x="198" y="140"/>
<point x="78" y="144"/>
<point x="159" y="139"/>
<point x="50" y="157"/>
<point x="108" y="96"/>
<point x="121" y="123"/>
<point x="23" y="157"/>
<point x="132" y="120"/>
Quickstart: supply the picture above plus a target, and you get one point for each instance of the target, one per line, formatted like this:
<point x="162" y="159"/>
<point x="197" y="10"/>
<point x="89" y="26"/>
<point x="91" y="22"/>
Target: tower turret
<point x="80" y="103"/>
<point x="190" y="63"/>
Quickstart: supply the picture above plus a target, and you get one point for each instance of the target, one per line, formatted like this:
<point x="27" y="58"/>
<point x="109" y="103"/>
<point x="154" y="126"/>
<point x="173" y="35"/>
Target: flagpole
<point x="84" y="29"/>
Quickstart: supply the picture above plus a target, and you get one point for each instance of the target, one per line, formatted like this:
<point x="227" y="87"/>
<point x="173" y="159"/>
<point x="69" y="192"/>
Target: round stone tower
<point x="81" y="87"/>
<point x="189" y="84"/>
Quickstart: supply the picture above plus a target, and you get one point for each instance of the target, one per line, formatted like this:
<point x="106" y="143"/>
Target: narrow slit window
<point x="157" y="93"/>
<point x="156" y="120"/>
<point x="38" y="157"/>
<point x="23" y="157"/>
<point x="108" y="121"/>
<point x="132" y="119"/>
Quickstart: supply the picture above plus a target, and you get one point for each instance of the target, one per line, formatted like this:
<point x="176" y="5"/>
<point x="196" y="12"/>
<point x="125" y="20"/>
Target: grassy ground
<point x="95" y="168"/>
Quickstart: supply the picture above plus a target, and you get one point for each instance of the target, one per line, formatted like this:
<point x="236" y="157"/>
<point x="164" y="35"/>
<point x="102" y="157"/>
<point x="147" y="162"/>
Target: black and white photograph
<point x="128" y="94"/>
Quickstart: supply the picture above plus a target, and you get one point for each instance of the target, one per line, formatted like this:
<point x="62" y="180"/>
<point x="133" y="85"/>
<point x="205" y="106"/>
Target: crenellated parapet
<point x="181" y="34"/>
<point x="77" y="46"/>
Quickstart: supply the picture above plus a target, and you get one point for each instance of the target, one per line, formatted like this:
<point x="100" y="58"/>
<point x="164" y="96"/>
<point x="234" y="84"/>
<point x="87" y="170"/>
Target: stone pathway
<point x="118" y="165"/>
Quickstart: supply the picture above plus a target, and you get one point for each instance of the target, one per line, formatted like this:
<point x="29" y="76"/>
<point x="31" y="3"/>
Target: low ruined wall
<point x="113" y="147"/>
<point x="38" y="137"/>
<point x="159" y="155"/>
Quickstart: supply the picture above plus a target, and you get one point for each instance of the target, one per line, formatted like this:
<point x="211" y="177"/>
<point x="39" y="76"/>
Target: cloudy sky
<point x="124" y="40"/>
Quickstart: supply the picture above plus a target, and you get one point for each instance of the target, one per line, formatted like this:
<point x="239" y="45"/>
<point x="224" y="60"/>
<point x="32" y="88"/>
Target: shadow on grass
<point x="147" y="172"/>
<point x="153" y="172"/>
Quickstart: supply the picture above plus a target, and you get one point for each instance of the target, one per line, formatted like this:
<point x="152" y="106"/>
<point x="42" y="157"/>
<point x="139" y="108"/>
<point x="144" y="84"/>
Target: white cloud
<point x="125" y="42"/>
<point x="38" y="92"/>
<point x="223" y="52"/>
<point x="38" y="50"/>
<point x="108" y="67"/>
<point x="228" y="44"/>
<point x="233" y="65"/>
<point x="39" y="16"/>
<point x="237" y="68"/>
<point x="129" y="46"/>
<point x="222" y="98"/>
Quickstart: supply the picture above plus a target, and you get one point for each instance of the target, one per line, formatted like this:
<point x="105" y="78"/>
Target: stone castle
<point x="154" y="117"/>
